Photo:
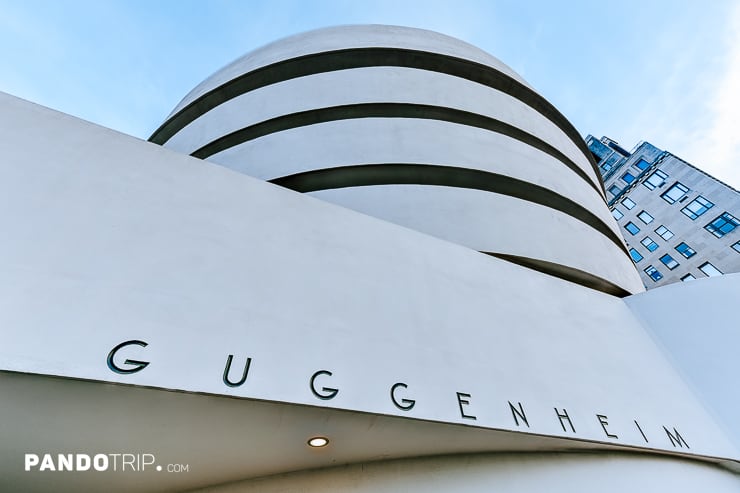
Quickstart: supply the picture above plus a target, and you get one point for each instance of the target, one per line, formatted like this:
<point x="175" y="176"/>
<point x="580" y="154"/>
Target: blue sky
<point x="663" y="71"/>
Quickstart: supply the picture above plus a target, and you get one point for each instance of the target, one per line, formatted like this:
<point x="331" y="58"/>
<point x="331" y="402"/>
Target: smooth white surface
<point x="483" y="223"/>
<point x="404" y="140"/>
<point x="533" y="473"/>
<point x="696" y="324"/>
<point x="491" y="222"/>
<point x="373" y="85"/>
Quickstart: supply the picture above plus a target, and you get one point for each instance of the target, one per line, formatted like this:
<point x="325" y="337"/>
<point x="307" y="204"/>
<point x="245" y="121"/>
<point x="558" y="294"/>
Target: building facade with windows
<point x="679" y="223"/>
<point x="360" y="259"/>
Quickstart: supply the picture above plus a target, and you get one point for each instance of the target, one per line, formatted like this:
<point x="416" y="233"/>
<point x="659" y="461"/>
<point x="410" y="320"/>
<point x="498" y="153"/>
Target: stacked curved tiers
<point x="418" y="129"/>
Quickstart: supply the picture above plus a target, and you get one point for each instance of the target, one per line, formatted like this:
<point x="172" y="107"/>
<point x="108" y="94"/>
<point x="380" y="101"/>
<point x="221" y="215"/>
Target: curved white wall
<point x="351" y="96"/>
<point x="695" y="323"/>
<point x="339" y="37"/>
<point x="464" y="216"/>
<point x="296" y="107"/>
<point x="396" y="140"/>
<point x="533" y="473"/>
<point x="369" y="85"/>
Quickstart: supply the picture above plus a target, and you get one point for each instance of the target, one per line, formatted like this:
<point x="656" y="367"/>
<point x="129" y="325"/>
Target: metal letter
<point x="407" y="404"/>
<point x="330" y="392"/>
<point x="138" y="365"/>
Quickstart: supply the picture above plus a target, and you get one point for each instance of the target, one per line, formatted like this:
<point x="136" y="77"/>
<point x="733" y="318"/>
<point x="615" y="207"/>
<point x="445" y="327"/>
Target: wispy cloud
<point x="716" y="146"/>
<point x="690" y="99"/>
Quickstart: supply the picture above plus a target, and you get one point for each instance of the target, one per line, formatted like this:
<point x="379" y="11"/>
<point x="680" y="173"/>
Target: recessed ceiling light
<point x="318" y="442"/>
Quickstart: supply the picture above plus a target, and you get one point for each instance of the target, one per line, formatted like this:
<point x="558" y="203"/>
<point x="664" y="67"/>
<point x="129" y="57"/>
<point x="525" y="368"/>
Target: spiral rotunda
<point x="415" y="128"/>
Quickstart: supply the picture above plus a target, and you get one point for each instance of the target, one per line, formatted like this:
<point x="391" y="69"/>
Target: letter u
<point x="227" y="370"/>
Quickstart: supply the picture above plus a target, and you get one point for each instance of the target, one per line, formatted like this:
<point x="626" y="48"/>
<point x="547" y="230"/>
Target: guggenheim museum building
<point x="359" y="259"/>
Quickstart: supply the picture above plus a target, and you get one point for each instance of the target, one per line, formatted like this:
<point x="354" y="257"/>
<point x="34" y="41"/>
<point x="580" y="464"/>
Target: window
<point x="697" y="207"/>
<point x="685" y="250"/>
<point x="669" y="261"/>
<point x="642" y="164"/>
<point x="630" y="226"/>
<point x="636" y="257"/>
<point x="628" y="177"/>
<point x="609" y="162"/>
<point x="675" y="193"/>
<point x="656" y="180"/>
<point x="654" y="273"/>
<point x="617" y="214"/>
<point x="645" y="217"/>
<point x="628" y="203"/>
<point x="709" y="270"/>
<point x="648" y="243"/>
<point x="664" y="232"/>
<point x="688" y="277"/>
<point x="736" y="246"/>
<point x="724" y="224"/>
<point x="614" y="190"/>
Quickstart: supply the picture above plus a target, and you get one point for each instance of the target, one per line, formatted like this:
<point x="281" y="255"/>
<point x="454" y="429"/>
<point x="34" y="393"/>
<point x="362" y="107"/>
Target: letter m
<point x="676" y="439"/>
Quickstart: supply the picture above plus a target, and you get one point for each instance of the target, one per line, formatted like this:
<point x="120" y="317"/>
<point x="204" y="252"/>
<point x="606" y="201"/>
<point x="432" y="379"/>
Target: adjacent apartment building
<point x="679" y="222"/>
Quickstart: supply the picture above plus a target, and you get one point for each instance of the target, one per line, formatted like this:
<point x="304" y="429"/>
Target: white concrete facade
<point x="155" y="303"/>
<point x="341" y="98"/>
<point x="535" y="473"/>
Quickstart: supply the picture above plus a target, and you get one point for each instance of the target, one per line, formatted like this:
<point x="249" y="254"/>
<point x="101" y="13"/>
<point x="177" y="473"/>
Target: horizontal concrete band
<point x="369" y="57"/>
<point x="386" y="110"/>
<point x="405" y="140"/>
<point x="370" y="85"/>
<point x="564" y="272"/>
<point x="449" y="176"/>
